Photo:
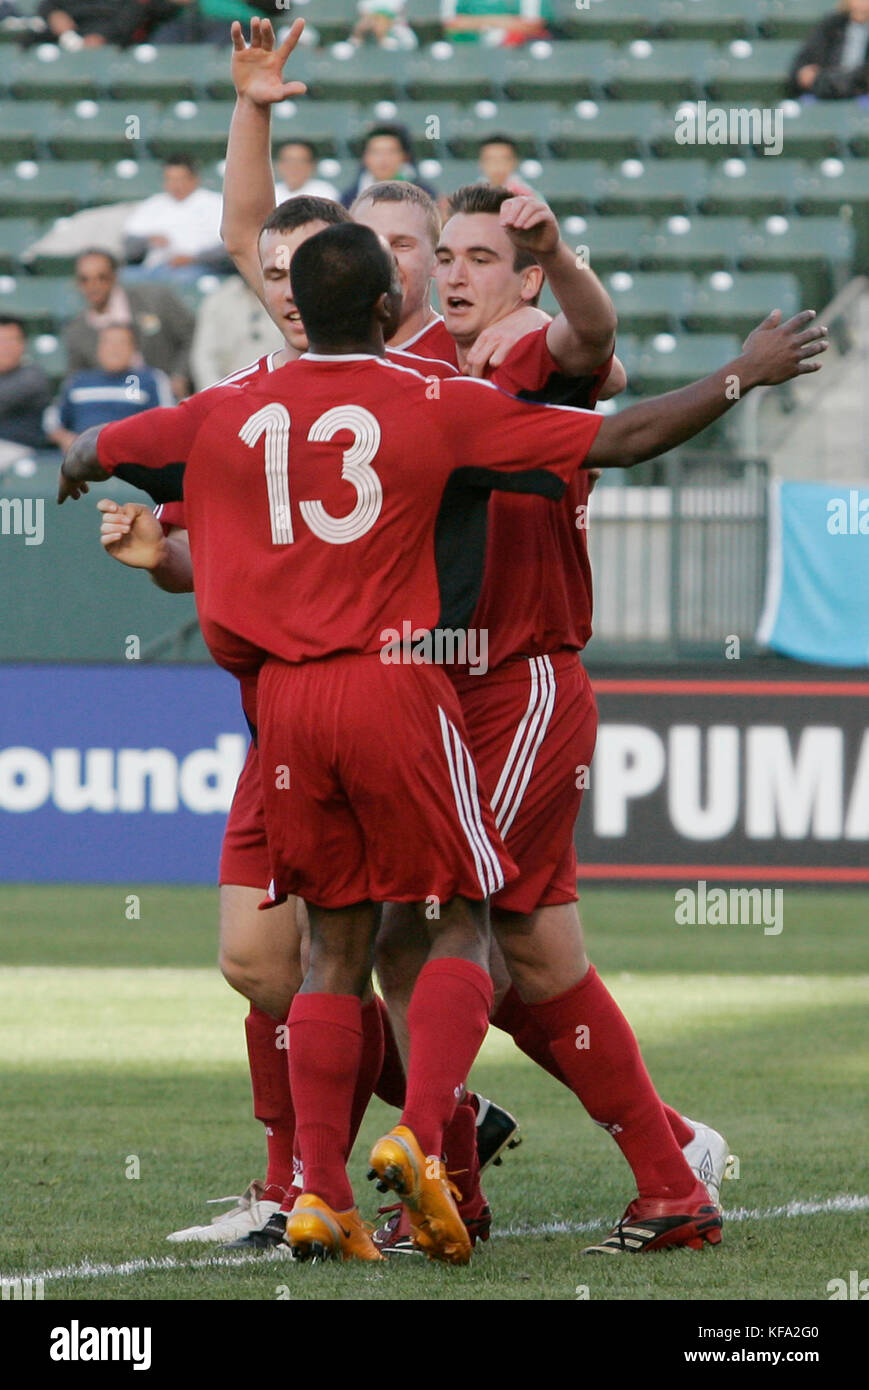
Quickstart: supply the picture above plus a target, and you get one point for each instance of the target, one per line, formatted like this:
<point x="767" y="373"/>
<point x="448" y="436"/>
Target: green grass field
<point x="120" y="1039"/>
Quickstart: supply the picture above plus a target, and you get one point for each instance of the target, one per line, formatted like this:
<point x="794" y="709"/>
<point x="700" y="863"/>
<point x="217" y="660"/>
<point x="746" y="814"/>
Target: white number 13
<point x="273" y="421"/>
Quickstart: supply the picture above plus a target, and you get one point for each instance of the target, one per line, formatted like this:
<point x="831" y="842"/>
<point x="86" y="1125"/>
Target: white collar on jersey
<point x="408" y="342"/>
<point x="340" y="357"/>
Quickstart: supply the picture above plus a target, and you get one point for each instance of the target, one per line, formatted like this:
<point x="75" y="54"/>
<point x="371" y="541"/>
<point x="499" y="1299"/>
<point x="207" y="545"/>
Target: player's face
<point x="476" y="281"/>
<point x="276" y="251"/>
<point x="404" y="228"/>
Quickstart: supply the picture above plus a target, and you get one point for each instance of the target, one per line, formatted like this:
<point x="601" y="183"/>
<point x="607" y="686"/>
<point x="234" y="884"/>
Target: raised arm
<point x="248" y="183"/>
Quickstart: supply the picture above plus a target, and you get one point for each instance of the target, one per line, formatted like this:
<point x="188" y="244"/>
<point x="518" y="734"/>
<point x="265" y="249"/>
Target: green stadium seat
<point x="790" y="19"/>
<point x="333" y="19"/>
<point x="814" y="129"/>
<point x="727" y="302"/>
<point x="429" y="138"/>
<point x="613" y="243"/>
<point x="326" y="124"/>
<point x="571" y="187"/>
<point x="559" y="72"/>
<point x="102" y="130"/>
<point x="706" y="19"/>
<point x="752" y="186"/>
<point x="424" y="16"/>
<point x="69" y="77"/>
<point x="670" y="361"/>
<point x="655" y="186"/>
<point x="527" y="122"/>
<point x="174" y="72"/>
<point x="615" y="20"/>
<point x="693" y="243"/>
<point x="449" y="174"/>
<point x="22" y="123"/>
<point x="857" y="119"/>
<point x="368" y="75"/>
<point x="657" y="70"/>
<point x="604" y="130"/>
<point x="464" y="73"/>
<point x="127" y="181"/>
<point x="649" y="301"/>
<point x="197" y="128"/>
<point x="752" y="74"/>
<point x="745" y="131"/>
<point x="834" y="185"/>
<point x="49" y="353"/>
<point x="46" y="189"/>
<point x="41" y="303"/>
<point x="819" y="251"/>
<point x="16" y="234"/>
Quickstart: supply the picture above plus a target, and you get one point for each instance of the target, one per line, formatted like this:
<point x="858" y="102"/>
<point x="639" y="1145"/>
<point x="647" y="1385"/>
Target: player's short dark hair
<point x="337" y="277"/>
<point x="500" y="140"/>
<point x="399" y="191"/>
<point x="299" y="211"/>
<point x="186" y="161"/>
<point x="10" y="321"/>
<point x="305" y="144"/>
<point x="97" y="251"/>
<point x="393" y="129"/>
<point x="487" y="198"/>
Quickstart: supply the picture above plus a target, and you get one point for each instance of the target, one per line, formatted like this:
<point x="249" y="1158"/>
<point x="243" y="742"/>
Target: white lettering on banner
<point x="786" y="794"/>
<point x="857" y="819"/>
<point x="629" y="762"/>
<point x="203" y="782"/>
<point x="693" y="816"/>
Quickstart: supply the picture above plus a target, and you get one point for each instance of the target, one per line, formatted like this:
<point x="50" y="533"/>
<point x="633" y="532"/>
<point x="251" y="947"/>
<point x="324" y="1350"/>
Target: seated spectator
<point x="295" y="167"/>
<point x="163" y="323"/>
<point x="177" y="232"/>
<point x="497" y="23"/>
<point x="232" y="330"/>
<point x="387" y="154"/>
<point x="384" y="22"/>
<point x="834" y="61"/>
<point x="24" y="393"/>
<point x="498" y="158"/>
<point x="120" y="385"/>
<point x="92" y="23"/>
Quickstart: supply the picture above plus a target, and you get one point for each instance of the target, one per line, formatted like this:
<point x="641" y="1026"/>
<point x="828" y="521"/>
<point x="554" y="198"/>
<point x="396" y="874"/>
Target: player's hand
<point x="257" y="67"/>
<point x="531" y="225"/>
<point x="496" y="342"/>
<point x="777" y="352"/>
<point x="67" y="488"/>
<point x="132" y="534"/>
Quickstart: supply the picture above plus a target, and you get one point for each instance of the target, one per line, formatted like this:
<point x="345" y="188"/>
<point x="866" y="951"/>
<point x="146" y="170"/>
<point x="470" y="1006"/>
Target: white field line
<point x="158" y="1263"/>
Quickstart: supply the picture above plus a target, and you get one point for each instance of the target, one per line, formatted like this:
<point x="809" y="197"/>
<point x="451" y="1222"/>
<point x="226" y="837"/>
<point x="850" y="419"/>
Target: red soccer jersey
<point x="537" y="595"/>
<point x="433" y="342"/>
<point x="329" y="452"/>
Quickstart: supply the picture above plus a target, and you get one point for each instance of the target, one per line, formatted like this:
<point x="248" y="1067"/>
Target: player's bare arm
<point x="131" y="534"/>
<point x="81" y="466"/>
<point x="582" y="336"/>
<point x="493" y="345"/>
<point x="248" y="185"/>
<point x="774" y="353"/>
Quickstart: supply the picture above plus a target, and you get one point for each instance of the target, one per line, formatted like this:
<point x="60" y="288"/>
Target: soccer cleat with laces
<point x="707" y="1156"/>
<point x="497" y="1130"/>
<point x="399" y="1164"/>
<point x="395" y="1236"/>
<point x="249" y="1214"/>
<point x="315" y="1232"/>
<point x="663" y="1223"/>
<point x="268" y="1237"/>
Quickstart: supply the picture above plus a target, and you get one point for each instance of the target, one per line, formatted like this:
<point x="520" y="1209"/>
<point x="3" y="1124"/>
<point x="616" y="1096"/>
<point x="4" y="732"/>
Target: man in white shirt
<point x="177" y="231"/>
<point x="295" y="165"/>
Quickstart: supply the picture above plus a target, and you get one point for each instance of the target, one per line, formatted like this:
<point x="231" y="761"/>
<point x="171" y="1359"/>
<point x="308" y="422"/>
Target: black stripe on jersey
<point x="460" y="532"/>
<point x="163" y="484"/>
<point x="562" y="390"/>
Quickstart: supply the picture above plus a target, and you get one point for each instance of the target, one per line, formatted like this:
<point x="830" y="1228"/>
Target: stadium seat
<point x="463" y="73"/>
<point x="668" y="362"/>
<point x="49" y="353"/>
<point x="814" y="129"/>
<point x="424" y="16"/>
<point x="693" y="243"/>
<point x="428" y="129"/>
<point x="449" y="174"/>
<point x="41" y="303"/>
<point x="559" y="72"/>
<point x="20" y="121"/>
<point x="649" y="302"/>
<point x="572" y="186"/>
<point x="197" y="128"/>
<point x="727" y="302"/>
<point x="753" y="74"/>
<point x="332" y="19"/>
<point x="654" y="70"/>
<point x="833" y="186"/>
<point x="656" y="186"/>
<point x="16" y="234"/>
<point x="705" y="19"/>
<point x="604" y="130"/>
<point x="613" y="243"/>
<point x="67" y="77"/>
<point x="819" y="251"/>
<point x="752" y="186"/>
<point x="857" y="119"/>
<point x="102" y="130"/>
<point x="526" y="122"/>
<point x="367" y="74"/>
<point x="175" y="71"/>
<point x="789" y="19"/>
<point x="126" y="181"/>
<point x="46" y="189"/>
<point x="615" y="20"/>
<point x="327" y="124"/>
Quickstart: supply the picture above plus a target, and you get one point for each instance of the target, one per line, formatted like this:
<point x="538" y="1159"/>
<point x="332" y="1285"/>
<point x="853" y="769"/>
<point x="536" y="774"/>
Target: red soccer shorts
<point x="532" y="724"/>
<point x="244" y="855"/>
<point x="370" y="791"/>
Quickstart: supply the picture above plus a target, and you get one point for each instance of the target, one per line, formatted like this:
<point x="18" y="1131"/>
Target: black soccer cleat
<point x="266" y="1238"/>
<point x="497" y="1130"/>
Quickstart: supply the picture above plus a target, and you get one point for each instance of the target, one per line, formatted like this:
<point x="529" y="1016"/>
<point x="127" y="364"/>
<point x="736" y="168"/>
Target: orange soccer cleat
<point x="315" y="1231"/>
<point x="399" y="1165"/>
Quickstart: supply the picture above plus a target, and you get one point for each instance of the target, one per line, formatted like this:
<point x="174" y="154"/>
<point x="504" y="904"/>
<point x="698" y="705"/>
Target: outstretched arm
<point x="248" y="184"/>
<point x="132" y="534"/>
<point x="775" y="352"/>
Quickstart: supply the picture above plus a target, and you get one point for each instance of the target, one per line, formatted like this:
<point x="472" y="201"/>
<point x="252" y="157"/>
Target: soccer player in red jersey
<point x="245" y="526"/>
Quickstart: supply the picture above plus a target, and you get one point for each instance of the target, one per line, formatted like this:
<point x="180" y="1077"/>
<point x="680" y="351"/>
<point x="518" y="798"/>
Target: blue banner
<point x="817" y="591"/>
<point x="116" y="774"/>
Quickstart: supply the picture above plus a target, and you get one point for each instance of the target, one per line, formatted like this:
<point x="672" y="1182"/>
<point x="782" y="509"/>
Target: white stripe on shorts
<point x="516" y="772"/>
<point x="464" y="781"/>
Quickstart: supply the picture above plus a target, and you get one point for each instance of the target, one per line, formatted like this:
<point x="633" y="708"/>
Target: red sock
<point x="447" y="1018"/>
<point x="609" y="1077"/>
<point x="682" y="1132"/>
<point x="463" y="1164"/>
<point x="391" y="1085"/>
<point x="272" y="1100"/>
<point x="370" y="1065"/>
<point x="325" y="1053"/>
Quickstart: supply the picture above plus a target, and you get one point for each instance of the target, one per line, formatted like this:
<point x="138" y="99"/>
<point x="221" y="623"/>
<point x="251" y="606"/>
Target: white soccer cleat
<point x="249" y="1214"/>
<point x="706" y="1155"/>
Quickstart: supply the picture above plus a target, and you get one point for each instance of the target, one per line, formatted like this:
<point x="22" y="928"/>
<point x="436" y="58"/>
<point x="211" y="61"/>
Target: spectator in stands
<point x="295" y="167"/>
<point x="176" y="234"/>
<point x="120" y="385"/>
<point x="232" y="330"/>
<point x="498" y="158"/>
<point x="163" y="323"/>
<point x="386" y="154"/>
<point x="834" y="60"/>
<point x="384" y="22"/>
<point x="24" y="393"/>
<point x="497" y="23"/>
<point x="92" y="23"/>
